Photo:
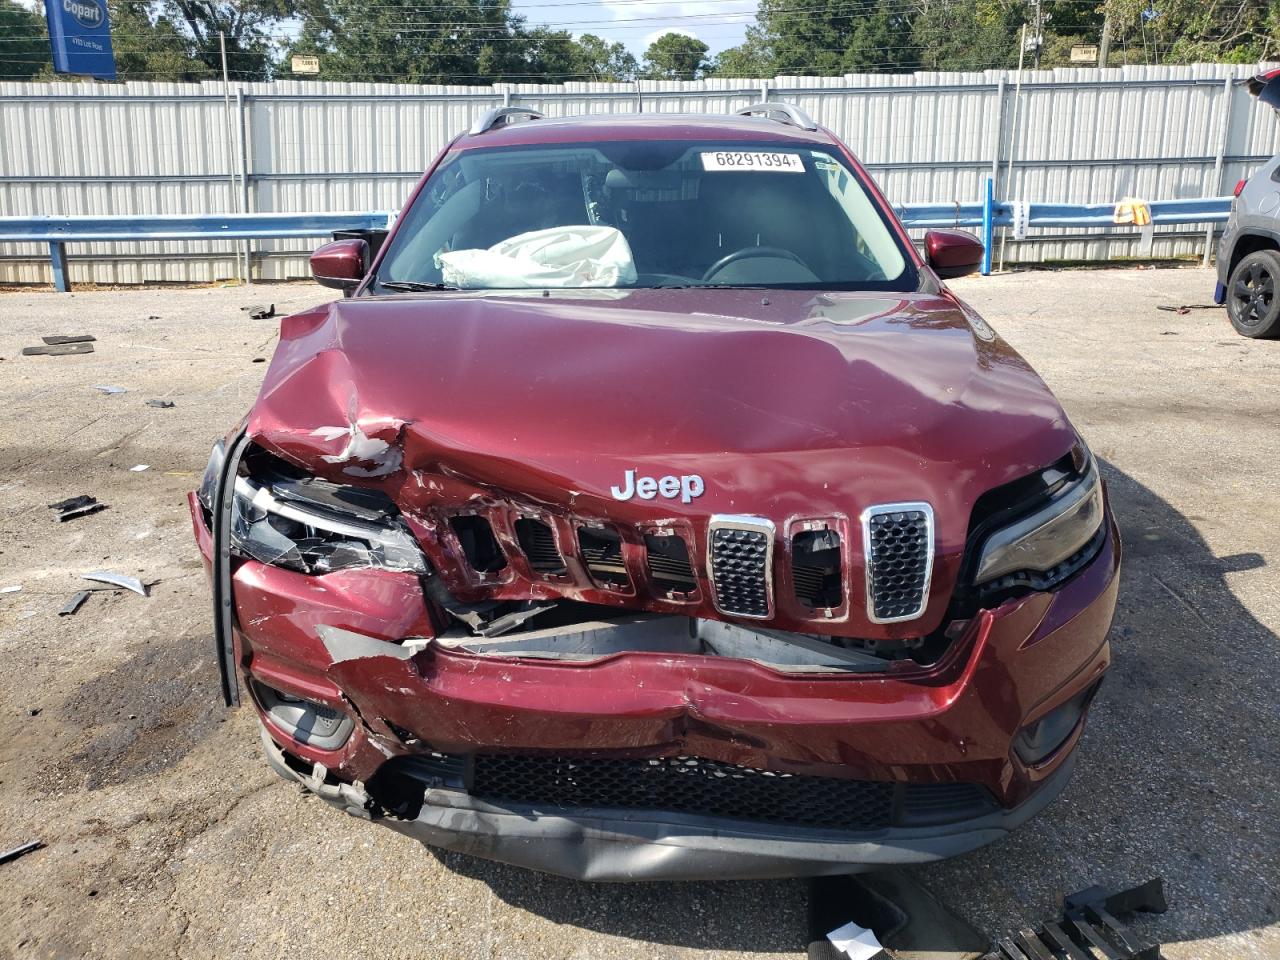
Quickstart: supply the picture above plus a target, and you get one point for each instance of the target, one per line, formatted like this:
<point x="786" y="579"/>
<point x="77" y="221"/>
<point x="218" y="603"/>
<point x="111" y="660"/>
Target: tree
<point x="880" y="42"/>
<point x="752" y="59"/>
<point x="150" y="45"/>
<point x="150" y="41"/>
<point x="604" y="60"/>
<point x="463" y="41"/>
<point x="555" y="56"/>
<point x="24" y="43"/>
<point x="147" y="43"/>
<point x="675" y="56"/>
<point x="1195" y="31"/>
<point x="981" y="34"/>
<point x="826" y="37"/>
<point x="245" y="24"/>
<point x="969" y="34"/>
<point x="550" y="56"/>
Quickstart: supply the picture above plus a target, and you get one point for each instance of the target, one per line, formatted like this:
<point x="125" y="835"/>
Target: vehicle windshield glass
<point x="646" y="214"/>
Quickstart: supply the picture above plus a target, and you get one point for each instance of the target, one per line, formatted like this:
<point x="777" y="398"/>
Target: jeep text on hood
<point x="629" y="575"/>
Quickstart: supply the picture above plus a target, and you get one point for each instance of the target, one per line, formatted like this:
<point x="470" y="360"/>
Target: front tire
<point x="1253" y="295"/>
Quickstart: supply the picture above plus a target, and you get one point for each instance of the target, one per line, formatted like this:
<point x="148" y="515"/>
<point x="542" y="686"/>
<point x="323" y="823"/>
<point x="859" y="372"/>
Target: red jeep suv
<point x="650" y="508"/>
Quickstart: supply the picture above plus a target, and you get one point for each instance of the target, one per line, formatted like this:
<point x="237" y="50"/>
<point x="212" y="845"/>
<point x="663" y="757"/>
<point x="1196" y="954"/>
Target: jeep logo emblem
<point x="646" y="488"/>
<point x="88" y="13"/>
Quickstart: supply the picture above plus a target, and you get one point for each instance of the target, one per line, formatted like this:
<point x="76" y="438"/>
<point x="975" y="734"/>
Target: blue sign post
<point x="81" y="38"/>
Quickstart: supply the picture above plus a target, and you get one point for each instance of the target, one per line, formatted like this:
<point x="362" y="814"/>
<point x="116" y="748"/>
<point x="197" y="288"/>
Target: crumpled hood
<point x="786" y="404"/>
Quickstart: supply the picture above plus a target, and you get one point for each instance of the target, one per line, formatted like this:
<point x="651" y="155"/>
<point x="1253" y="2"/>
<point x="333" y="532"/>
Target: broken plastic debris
<point x="260" y="311"/>
<point x="1089" y="927"/>
<point x="914" y="924"/>
<point x="21" y="851"/>
<point x="855" y="942"/>
<point x="73" y="507"/>
<point x="140" y="467"/>
<point x="161" y="404"/>
<point x="116" y="580"/>
<point x="73" y="338"/>
<point x="500" y="625"/>
<point x="13" y="589"/>
<point x="1145" y="898"/>
<point x="57" y="349"/>
<point x="74" y="604"/>
<point x="1186" y="308"/>
<point x="108" y="389"/>
<point x="71" y="502"/>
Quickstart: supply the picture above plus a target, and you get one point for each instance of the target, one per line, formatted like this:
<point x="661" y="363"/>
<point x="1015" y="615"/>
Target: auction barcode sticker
<point x="753" y="160"/>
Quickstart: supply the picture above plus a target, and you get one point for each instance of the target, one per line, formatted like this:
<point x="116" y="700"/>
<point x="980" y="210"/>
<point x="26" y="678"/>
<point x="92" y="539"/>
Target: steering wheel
<point x="747" y="253"/>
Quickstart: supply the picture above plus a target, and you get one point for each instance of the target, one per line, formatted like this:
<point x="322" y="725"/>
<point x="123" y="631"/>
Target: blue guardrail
<point x="987" y="214"/>
<point x="57" y="232"/>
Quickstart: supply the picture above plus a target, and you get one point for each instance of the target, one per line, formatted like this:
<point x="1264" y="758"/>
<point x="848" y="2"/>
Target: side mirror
<point x="340" y="264"/>
<point x="952" y="253"/>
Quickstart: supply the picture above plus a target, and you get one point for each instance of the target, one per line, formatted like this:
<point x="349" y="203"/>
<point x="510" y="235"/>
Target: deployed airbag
<point x="582" y="256"/>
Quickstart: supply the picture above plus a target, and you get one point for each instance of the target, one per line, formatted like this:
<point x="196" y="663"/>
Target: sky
<point x="637" y="23"/>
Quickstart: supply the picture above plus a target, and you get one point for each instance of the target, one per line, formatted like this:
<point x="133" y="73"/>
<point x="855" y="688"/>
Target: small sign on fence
<point x="305" y="64"/>
<point x="1084" y="53"/>
<point x="80" y="38"/>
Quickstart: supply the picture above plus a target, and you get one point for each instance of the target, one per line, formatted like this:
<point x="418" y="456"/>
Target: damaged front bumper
<point x="415" y="734"/>
<point x="625" y="845"/>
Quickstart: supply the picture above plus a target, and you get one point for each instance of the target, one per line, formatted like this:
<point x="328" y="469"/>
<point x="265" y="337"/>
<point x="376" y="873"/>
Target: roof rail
<point x="782" y="112"/>
<point x="501" y="116"/>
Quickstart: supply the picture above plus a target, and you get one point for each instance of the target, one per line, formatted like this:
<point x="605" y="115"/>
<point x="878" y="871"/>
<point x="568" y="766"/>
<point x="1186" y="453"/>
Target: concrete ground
<point x="167" y="836"/>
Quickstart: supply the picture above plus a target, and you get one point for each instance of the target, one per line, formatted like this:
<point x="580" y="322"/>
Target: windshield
<point x="627" y="214"/>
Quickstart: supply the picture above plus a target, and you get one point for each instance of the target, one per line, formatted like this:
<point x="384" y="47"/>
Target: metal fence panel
<point x="1083" y="136"/>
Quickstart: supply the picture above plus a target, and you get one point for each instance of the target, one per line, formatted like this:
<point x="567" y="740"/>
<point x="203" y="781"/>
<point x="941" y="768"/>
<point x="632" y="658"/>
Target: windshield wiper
<point x="413" y="286"/>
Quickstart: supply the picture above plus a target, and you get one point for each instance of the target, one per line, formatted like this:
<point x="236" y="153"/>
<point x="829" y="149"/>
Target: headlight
<point x="1049" y="537"/>
<point x="209" y="482"/>
<point x="313" y="526"/>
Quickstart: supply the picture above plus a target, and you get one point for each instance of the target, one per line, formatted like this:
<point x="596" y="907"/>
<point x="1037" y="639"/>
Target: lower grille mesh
<point x="685" y="785"/>
<point x="692" y="785"/>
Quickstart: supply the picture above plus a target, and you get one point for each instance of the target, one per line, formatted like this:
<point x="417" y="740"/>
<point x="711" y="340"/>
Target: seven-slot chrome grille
<point x="740" y="561"/>
<point x="897" y="541"/>
<point x="898" y="549"/>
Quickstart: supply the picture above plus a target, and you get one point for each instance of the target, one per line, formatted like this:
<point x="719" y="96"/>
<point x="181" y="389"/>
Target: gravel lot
<point x="167" y="836"/>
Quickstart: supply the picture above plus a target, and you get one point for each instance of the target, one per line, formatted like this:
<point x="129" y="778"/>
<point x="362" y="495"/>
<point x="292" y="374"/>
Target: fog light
<point x="1051" y="731"/>
<point x="315" y="724"/>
